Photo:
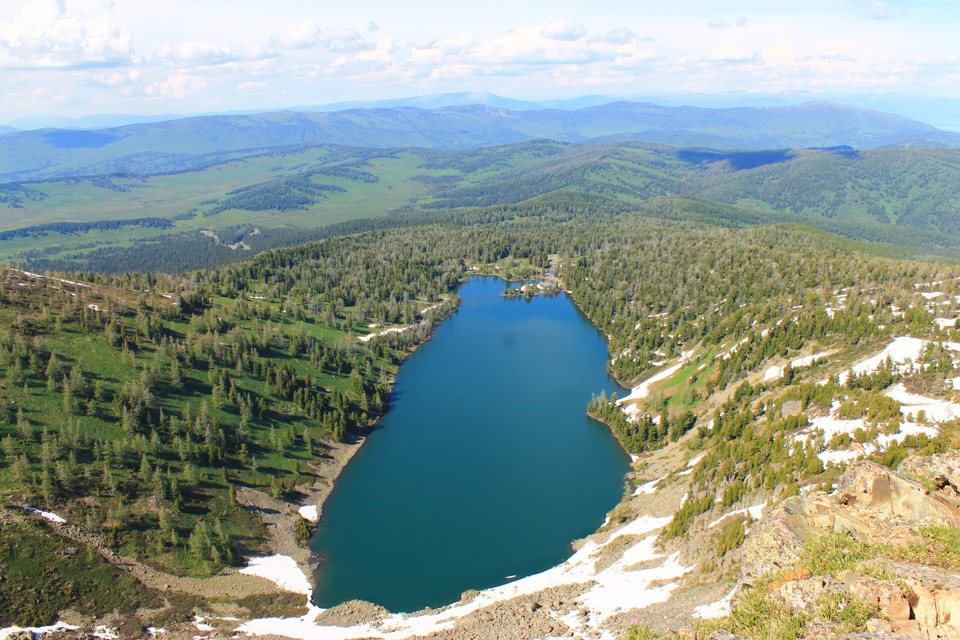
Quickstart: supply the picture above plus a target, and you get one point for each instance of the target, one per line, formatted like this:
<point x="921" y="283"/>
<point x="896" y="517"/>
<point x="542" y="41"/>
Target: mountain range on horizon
<point x="939" y="111"/>
<point x="175" y="145"/>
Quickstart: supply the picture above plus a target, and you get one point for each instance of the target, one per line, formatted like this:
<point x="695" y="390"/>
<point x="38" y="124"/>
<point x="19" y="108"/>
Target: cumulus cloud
<point x="345" y="41"/>
<point x="302" y="35"/>
<point x="611" y="34"/>
<point x="528" y="46"/>
<point x="45" y="36"/>
<point x="115" y="79"/>
<point x="562" y="29"/>
<point x="181" y="85"/>
<point x="206" y="54"/>
<point x="308" y="34"/>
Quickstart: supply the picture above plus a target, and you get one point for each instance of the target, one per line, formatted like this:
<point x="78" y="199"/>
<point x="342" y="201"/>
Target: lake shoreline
<point x="280" y="517"/>
<point x="281" y="527"/>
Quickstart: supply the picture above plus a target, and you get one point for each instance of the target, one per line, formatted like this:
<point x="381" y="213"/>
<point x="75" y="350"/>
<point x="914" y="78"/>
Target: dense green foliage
<point x="159" y="405"/>
<point x="41" y="575"/>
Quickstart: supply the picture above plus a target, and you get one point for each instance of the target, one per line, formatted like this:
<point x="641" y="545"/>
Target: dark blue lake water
<point x="485" y="465"/>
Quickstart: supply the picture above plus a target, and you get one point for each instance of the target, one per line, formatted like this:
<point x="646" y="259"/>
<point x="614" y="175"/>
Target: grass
<point x="938" y="546"/>
<point x="43" y="574"/>
<point x="276" y="439"/>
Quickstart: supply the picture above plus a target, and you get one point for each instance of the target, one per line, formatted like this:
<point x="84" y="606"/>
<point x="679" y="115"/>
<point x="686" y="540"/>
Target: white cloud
<point x="207" y="54"/>
<point x="115" y="79"/>
<point x="562" y="29"/>
<point x="303" y="35"/>
<point x="45" y="36"/>
<point x="308" y="34"/>
<point x="179" y="86"/>
<point x="345" y="41"/>
<point x="611" y="34"/>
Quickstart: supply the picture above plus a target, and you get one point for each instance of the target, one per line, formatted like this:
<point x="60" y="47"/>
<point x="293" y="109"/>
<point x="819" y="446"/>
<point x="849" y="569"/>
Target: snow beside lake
<point x="282" y="570"/>
<point x="648" y="488"/>
<point x="642" y="390"/>
<point x="371" y="336"/>
<point x="615" y="589"/>
<point x="309" y="512"/>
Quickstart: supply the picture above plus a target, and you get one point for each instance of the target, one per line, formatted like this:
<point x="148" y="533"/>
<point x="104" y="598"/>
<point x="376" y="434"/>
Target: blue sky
<point x="79" y="57"/>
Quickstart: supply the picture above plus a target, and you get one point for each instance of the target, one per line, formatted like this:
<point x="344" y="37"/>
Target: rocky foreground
<point x="882" y="559"/>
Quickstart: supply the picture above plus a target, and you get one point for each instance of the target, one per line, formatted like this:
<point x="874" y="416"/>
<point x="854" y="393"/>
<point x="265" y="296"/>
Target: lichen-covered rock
<point x="942" y="470"/>
<point x="776" y="542"/>
<point x="803" y="595"/>
<point x="822" y="630"/>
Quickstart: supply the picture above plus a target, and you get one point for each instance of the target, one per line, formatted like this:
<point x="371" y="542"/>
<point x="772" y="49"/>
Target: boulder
<point x="868" y="487"/>
<point x="886" y="595"/>
<point x="934" y="597"/>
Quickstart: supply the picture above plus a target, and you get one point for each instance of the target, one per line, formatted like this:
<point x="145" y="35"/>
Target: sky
<point x="81" y="57"/>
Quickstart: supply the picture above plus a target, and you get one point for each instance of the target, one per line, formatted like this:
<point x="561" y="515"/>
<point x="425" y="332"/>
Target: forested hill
<point x="173" y="145"/>
<point x="136" y="405"/>
<point x="230" y="209"/>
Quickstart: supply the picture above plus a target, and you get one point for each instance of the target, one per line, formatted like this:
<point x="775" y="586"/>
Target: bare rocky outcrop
<point x="871" y="503"/>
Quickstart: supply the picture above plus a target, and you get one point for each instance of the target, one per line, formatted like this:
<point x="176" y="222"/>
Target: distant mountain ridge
<point x="175" y="145"/>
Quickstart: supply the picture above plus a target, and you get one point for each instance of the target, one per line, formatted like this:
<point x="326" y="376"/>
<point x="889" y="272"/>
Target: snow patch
<point x="371" y="336"/>
<point x="615" y="589"/>
<point x="642" y="390"/>
<point x="900" y="351"/>
<point x="201" y="625"/>
<point x="47" y="515"/>
<point x="755" y="512"/>
<point x="648" y="488"/>
<point x="935" y="410"/>
<point x="309" y="512"/>
<point x="717" y="609"/>
<point x="696" y="459"/>
<point x="36" y="631"/>
<point x="282" y="570"/>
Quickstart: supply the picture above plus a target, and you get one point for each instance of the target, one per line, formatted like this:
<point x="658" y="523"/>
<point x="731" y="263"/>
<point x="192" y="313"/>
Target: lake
<point x="485" y="465"/>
